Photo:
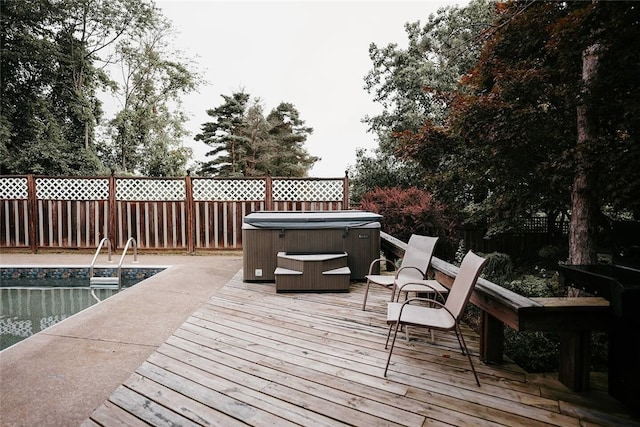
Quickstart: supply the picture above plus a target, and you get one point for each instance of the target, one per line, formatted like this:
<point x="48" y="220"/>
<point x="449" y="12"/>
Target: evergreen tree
<point x="288" y="133"/>
<point x="225" y="136"/>
<point x="245" y="143"/>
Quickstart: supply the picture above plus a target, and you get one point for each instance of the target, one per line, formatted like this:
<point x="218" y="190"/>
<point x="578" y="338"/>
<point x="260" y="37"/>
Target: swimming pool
<point x="35" y="298"/>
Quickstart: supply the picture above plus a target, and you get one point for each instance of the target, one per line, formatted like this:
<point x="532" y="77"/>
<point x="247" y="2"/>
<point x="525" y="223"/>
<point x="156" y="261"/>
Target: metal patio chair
<point x="438" y="316"/>
<point x="412" y="274"/>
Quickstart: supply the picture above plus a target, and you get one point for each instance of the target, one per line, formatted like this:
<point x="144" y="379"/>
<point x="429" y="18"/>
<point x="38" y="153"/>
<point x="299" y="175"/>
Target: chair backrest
<point x="418" y="254"/>
<point x="463" y="284"/>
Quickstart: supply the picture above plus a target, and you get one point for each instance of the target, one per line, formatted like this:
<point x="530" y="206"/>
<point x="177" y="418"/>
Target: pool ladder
<point x="110" y="282"/>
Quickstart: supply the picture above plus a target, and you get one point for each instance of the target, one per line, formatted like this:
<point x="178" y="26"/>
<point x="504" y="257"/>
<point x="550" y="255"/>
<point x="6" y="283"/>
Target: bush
<point x="411" y="211"/>
<point x="499" y="267"/>
<point x="539" y="351"/>
<point x="533" y="351"/>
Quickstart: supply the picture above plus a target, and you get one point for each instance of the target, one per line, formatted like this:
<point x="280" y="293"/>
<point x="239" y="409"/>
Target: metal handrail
<point x="124" y="252"/>
<point x="95" y="257"/>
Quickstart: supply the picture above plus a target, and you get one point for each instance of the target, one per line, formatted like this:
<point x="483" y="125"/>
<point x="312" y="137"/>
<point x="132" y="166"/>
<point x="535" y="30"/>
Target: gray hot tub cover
<point x="311" y="220"/>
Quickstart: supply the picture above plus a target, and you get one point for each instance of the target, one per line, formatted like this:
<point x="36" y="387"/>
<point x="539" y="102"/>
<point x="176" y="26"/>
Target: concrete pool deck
<point x="60" y="375"/>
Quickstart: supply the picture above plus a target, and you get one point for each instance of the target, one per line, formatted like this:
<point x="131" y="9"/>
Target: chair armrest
<point x="429" y="300"/>
<point x="426" y="285"/>
<point x="412" y="268"/>
<point x="373" y="263"/>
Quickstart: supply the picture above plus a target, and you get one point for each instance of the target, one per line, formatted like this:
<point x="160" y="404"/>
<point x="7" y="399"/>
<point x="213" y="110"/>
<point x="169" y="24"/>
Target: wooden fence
<point x="190" y="213"/>
<point x="533" y="233"/>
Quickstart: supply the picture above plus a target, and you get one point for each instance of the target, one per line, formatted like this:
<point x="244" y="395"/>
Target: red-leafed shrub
<point x="410" y="211"/>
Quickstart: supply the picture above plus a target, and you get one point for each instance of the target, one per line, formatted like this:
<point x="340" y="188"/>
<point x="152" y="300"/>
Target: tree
<point x="224" y="136"/>
<point x="245" y="143"/>
<point x="381" y="170"/>
<point x="146" y="133"/>
<point x="288" y="132"/>
<point x="40" y="115"/>
<point x="261" y="151"/>
<point x="54" y="55"/>
<point x="606" y="150"/>
<point x="547" y="108"/>
<point x="92" y="27"/>
<point x="542" y="112"/>
<point x="410" y="83"/>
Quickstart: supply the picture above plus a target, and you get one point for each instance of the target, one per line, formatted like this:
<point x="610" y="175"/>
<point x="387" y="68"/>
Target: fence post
<point x="112" y="211"/>
<point x="268" y="203"/>
<point x="32" y="203"/>
<point x="345" y="191"/>
<point x="188" y="185"/>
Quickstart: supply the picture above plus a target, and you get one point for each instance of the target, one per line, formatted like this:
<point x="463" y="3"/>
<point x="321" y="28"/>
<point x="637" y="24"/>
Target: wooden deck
<point x="251" y="356"/>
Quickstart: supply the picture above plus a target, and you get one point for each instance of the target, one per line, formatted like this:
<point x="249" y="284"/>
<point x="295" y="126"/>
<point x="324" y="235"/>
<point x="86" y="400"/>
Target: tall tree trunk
<point x="584" y="207"/>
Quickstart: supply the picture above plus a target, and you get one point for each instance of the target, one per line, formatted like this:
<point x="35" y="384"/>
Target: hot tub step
<point x="338" y="271"/>
<point x="315" y="272"/>
<point x="285" y="271"/>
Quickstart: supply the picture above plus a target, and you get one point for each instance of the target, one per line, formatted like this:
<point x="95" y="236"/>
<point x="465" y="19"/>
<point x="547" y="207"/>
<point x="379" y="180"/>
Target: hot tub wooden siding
<point x="261" y="245"/>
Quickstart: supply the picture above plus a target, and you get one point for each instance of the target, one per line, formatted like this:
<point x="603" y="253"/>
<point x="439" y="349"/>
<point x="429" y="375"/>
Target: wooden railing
<point x="190" y="213"/>
<point x="574" y="318"/>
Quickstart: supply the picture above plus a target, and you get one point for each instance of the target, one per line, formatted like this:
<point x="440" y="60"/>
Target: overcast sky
<point x="313" y="54"/>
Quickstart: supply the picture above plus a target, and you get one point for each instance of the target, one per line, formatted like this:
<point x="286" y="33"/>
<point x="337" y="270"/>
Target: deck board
<point x="251" y="356"/>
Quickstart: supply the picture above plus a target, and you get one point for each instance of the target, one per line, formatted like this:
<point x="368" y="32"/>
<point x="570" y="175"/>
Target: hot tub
<point x="265" y="234"/>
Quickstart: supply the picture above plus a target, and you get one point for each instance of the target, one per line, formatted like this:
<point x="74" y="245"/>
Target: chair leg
<point x="459" y="342"/>
<point x="386" y="344"/>
<point x="393" y="342"/>
<point x="366" y="292"/>
<point x="466" y="350"/>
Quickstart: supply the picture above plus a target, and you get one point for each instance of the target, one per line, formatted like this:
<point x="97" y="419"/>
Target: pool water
<point x="31" y="302"/>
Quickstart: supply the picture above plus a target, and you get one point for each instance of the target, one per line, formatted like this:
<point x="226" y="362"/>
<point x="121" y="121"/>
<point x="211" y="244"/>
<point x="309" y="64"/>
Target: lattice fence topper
<point x="311" y="191"/>
<point x="18" y="328"/>
<point x="72" y="189"/>
<point x="14" y="188"/>
<point x="150" y="189"/>
<point x="51" y="320"/>
<point x="229" y="189"/>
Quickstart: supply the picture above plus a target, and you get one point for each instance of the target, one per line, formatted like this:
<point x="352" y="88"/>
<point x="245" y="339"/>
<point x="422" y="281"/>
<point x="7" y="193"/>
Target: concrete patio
<point x="59" y="376"/>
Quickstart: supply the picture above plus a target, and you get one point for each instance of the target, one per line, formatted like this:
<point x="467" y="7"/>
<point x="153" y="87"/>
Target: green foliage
<point x="533" y="351"/>
<point x="146" y="135"/>
<point x="45" y="114"/>
<point x="288" y="134"/>
<point x="380" y="170"/>
<point x="499" y="267"/>
<point x="539" y="351"/>
<point x="494" y="131"/>
<point x="53" y="63"/>
<point x="246" y="143"/>
<point x="518" y="111"/>
<point x="224" y="135"/>
<point x="412" y="85"/>
<point x="411" y="211"/>
<point x="405" y="81"/>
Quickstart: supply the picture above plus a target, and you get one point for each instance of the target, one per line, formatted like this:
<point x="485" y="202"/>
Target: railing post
<point x="112" y="232"/>
<point x="190" y="207"/>
<point x="268" y="202"/>
<point x="345" y="191"/>
<point x="32" y="203"/>
<point x="491" y="339"/>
